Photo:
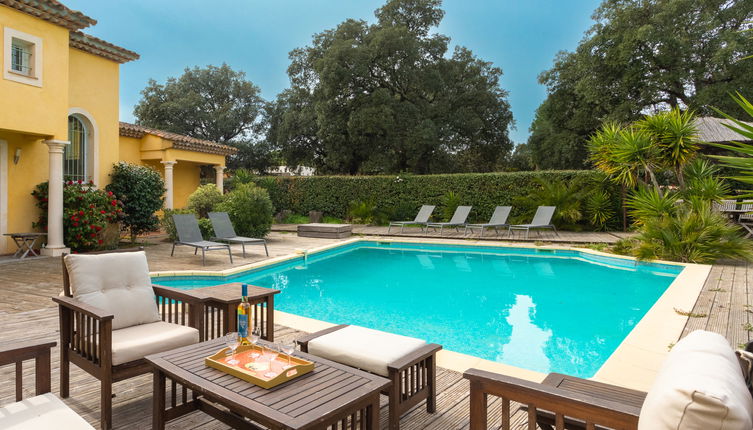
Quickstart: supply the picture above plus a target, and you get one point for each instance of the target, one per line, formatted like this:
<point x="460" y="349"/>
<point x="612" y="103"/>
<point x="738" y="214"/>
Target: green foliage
<point x="599" y="207"/>
<point x="207" y="231"/>
<point x="250" y="210"/>
<point x="295" y="219"/>
<point x="450" y="202"/>
<point x="624" y="246"/>
<point x="87" y="214"/>
<point x="567" y="196"/>
<point x="167" y="224"/>
<point x="212" y="103"/>
<point x="743" y="161"/>
<point x="389" y="97"/>
<point x="641" y="56"/>
<point x="694" y="236"/>
<point x="361" y="211"/>
<point x="140" y="188"/>
<point x="401" y="197"/>
<point x="647" y="204"/>
<point x="239" y="176"/>
<point x="204" y="199"/>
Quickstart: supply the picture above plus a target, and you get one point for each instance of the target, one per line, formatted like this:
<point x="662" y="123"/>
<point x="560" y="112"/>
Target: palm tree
<point x="675" y="133"/>
<point x="744" y="163"/>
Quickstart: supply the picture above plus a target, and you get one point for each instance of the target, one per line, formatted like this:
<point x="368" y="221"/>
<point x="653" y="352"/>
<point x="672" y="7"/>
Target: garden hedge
<point x="402" y="195"/>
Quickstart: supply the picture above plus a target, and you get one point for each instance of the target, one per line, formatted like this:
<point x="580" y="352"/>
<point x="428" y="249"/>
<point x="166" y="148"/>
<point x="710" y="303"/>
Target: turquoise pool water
<point x="544" y="310"/>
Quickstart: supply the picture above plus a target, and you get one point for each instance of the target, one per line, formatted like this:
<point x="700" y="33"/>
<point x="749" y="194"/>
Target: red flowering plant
<point x="86" y="212"/>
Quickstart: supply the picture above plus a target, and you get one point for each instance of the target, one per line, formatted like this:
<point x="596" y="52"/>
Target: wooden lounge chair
<point x="699" y="383"/>
<point x="498" y="219"/>
<point x="189" y="234"/>
<point x="45" y="410"/>
<point x="224" y="232"/>
<point x="111" y="317"/>
<point x="457" y="221"/>
<point x="413" y="374"/>
<point x="542" y="219"/>
<point x="422" y="218"/>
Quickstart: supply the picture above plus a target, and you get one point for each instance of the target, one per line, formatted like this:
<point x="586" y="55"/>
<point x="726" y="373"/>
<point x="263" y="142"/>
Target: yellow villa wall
<point x="185" y="182"/>
<point x="37" y="110"/>
<point x="129" y="150"/>
<point x="94" y="86"/>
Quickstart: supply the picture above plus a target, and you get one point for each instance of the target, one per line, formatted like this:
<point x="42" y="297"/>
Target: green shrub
<point x="250" y="210"/>
<point x="450" y="202"/>
<point x="401" y="197"/>
<point x="141" y="190"/>
<point x="204" y="199"/>
<point x="88" y="215"/>
<point x="362" y="212"/>
<point x="295" y="219"/>
<point x="168" y="226"/>
<point x="207" y="231"/>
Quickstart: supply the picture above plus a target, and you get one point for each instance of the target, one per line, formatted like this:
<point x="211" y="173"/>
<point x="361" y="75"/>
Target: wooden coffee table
<point x="331" y="395"/>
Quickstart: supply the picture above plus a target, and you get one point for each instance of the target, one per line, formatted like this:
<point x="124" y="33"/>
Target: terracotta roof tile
<point x="52" y="11"/>
<point x="99" y="47"/>
<point x="179" y="141"/>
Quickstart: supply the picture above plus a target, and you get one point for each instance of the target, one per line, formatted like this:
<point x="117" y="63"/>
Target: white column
<point x="55" y="246"/>
<point x="169" y="183"/>
<point x="220" y="177"/>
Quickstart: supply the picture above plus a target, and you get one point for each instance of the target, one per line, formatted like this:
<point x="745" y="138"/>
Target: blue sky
<point x="255" y="36"/>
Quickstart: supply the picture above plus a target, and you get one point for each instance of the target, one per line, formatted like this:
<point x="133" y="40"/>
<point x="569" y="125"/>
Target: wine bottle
<point x="244" y="315"/>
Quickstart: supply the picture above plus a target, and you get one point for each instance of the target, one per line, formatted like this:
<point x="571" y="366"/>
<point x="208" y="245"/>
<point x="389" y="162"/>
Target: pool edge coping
<point x="640" y="352"/>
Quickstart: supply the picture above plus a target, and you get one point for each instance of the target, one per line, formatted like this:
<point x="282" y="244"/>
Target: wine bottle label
<point x="243" y="326"/>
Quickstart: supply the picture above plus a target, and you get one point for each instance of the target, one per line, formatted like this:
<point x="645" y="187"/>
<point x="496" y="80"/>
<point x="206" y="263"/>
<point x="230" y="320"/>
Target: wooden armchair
<point x="113" y="353"/>
<point x="44" y="410"/>
<point x="580" y="404"/>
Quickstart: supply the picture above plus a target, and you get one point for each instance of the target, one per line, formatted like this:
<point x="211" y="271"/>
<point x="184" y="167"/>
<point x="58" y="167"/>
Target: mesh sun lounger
<point x="542" y="219"/>
<point x="190" y="235"/>
<point x="422" y="218"/>
<point x="498" y="219"/>
<point x="458" y="220"/>
<point x="224" y="232"/>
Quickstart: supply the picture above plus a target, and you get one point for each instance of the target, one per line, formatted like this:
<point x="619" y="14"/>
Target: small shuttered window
<point x="75" y="155"/>
<point x="21" y="57"/>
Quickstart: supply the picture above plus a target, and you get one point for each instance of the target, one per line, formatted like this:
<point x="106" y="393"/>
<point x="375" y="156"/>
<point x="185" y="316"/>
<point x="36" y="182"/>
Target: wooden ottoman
<point x="325" y="231"/>
<point x="409" y="363"/>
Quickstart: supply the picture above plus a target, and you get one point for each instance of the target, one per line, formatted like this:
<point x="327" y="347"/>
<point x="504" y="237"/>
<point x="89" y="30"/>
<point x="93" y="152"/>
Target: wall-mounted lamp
<point x="17" y="156"/>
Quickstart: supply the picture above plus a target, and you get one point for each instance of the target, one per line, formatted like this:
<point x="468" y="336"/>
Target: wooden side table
<point x="220" y="313"/>
<point x="25" y="243"/>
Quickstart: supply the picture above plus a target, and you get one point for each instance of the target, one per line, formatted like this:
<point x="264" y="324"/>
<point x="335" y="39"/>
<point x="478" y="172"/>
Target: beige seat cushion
<point x="118" y="283"/>
<point x="364" y="348"/>
<point x="40" y="412"/>
<point x="699" y="386"/>
<point x="136" y="342"/>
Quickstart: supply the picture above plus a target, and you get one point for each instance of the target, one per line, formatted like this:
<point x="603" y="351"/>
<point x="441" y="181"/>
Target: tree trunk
<point x="680" y="177"/>
<point x="654" y="181"/>
<point x="624" y="209"/>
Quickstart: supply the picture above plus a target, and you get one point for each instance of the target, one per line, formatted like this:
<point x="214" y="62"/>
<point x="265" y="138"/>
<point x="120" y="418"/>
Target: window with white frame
<point x="76" y="154"/>
<point x="23" y="57"/>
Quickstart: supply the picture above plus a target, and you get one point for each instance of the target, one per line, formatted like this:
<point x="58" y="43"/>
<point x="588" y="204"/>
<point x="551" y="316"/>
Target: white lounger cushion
<point x="699" y="386"/>
<point x="136" y="342"/>
<point x="40" y="412"/>
<point x="117" y="283"/>
<point x="364" y="348"/>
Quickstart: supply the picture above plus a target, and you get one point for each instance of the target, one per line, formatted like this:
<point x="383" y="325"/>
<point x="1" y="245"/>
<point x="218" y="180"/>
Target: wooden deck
<point x="26" y="312"/>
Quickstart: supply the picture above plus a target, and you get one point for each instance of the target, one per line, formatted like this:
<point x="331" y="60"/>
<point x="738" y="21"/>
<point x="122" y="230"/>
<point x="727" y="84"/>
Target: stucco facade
<point x="52" y="72"/>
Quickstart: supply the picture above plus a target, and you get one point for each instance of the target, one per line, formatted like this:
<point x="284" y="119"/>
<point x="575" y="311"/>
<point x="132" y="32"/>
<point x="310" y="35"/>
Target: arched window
<point x="75" y="157"/>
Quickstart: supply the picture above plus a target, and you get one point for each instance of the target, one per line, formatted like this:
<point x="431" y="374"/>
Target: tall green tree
<point x="387" y="97"/>
<point x="642" y="56"/>
<point x="212" y="103"/>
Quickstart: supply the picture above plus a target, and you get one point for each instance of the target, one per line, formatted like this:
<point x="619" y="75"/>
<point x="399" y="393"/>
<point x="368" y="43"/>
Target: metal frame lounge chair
<point x="498" y="219"/>
<point x="542" y="219"/>
<point x="189" y="235"/>
<point x="458" y="220"/>
<point x="422" y="218"/>
<point x="224" y="232"/>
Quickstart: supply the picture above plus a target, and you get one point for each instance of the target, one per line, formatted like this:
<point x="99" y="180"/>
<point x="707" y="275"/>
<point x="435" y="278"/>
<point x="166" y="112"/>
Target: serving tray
<point x="253" y="368"/>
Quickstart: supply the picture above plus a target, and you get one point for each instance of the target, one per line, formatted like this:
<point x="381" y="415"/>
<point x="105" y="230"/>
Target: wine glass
<point x="288" y="347"/>
<point x="232" y="342"/>
<point x="270" y="355"/>
<point x="255" y="336"/>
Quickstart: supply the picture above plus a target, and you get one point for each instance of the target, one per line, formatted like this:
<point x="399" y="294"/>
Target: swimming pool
<point x="544" y="310"/>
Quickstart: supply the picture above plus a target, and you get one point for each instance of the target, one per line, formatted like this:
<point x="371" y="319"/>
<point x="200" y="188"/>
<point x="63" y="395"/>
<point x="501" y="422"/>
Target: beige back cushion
<point x="117" y="283"/>
<point x="700" y="386"/>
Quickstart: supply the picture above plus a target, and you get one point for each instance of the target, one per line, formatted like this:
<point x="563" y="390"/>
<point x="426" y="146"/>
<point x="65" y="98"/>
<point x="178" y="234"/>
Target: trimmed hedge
<point x="333" y="194"/>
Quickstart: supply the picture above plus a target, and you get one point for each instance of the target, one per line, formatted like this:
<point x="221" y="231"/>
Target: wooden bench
<point x="45" y="410"/>
<point x="412" y="376"/>
<point x="325" y="231"/>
